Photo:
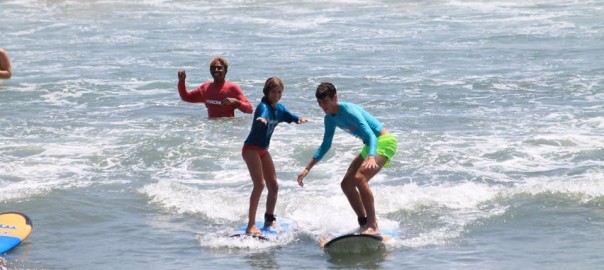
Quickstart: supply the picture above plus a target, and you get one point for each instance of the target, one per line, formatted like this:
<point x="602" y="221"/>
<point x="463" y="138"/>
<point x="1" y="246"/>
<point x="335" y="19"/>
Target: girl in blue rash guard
<point x="380" y="147"/>
<point x="259" y="162"/>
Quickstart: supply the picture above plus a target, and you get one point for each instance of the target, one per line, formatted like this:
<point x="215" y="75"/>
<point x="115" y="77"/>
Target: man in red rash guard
<point x="220" y="96"/>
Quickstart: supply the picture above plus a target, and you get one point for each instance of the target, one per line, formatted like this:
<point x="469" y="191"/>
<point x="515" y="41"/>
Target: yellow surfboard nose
<point x="15" y="225"/>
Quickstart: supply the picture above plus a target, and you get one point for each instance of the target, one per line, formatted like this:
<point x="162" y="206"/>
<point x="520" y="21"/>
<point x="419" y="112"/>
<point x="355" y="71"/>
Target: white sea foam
<point x="220" y="204"/>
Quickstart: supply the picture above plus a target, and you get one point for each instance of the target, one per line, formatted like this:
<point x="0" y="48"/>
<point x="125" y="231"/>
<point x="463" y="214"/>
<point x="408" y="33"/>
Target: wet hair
<point x="325" y="89"/>
<point x="270" y="83"/>
<point x="222" y="61"/>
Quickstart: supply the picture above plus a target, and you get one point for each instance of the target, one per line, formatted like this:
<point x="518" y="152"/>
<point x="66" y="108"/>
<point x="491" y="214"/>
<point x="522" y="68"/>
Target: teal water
<point x="497" y="106"/>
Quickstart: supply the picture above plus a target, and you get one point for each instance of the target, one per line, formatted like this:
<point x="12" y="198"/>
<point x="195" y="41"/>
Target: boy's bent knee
<point x="347" y="184"/>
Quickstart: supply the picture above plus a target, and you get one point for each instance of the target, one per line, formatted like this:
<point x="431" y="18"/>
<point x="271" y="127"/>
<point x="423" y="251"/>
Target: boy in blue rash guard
<point x="259" y="162"/>
<point x="380" y="147"/>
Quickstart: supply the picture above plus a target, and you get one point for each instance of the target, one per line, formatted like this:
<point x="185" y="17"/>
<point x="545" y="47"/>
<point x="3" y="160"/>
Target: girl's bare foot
<point x="273" y="225"/>
<point x="253" y="231"/>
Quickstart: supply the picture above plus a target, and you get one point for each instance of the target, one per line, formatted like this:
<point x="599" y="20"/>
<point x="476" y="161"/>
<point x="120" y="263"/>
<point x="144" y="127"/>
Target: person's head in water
<point x="6" y="70"/>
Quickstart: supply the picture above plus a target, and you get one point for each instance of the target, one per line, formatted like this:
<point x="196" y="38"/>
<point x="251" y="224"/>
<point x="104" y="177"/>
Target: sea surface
<point x="498" y="107"/>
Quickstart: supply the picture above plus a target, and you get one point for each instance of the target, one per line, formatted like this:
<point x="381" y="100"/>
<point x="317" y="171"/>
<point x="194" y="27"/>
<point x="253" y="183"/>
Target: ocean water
<point x="498" y="107"/>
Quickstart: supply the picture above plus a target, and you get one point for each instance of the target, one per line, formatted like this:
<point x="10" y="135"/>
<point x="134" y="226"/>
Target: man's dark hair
<point x="325" y="89"/>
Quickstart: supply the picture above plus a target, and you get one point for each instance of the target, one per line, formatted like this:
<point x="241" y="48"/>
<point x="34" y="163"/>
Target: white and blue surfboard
<point x="14" y="229"/>
<point x="284" y="226"/>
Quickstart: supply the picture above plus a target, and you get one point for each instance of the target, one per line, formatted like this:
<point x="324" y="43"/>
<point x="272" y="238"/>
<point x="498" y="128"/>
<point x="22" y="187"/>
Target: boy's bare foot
<point x="370" y="230"/>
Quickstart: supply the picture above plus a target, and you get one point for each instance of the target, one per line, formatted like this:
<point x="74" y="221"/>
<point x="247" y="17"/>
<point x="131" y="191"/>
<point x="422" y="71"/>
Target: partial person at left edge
<point x="6" y="70"/>
<point x="220" y="96"/>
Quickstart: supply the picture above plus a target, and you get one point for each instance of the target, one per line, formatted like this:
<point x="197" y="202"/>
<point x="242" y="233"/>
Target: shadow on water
<point x="372" y="260"/>
<point x="262" y="260"/>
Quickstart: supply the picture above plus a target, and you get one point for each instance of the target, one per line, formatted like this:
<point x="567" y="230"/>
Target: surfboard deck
<point x="355" y="243"/>
<point x="14" y="229"/>
<point x="284" y="226"/>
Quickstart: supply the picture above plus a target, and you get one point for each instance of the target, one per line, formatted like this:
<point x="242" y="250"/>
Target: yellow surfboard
<point x="14" y="229"/>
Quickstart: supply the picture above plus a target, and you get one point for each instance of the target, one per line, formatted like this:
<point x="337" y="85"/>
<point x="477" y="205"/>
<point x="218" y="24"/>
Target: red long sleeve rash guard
<point x="213" y="94"/>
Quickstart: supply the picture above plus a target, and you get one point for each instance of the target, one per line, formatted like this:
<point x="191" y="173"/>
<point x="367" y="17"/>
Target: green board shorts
<point x="386" y="147"/>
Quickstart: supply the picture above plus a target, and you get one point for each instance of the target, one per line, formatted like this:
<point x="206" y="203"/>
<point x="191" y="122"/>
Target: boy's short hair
<point x="325" y="89"/>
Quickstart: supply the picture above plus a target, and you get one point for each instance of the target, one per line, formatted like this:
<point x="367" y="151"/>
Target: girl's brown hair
<point x="272" y="82"/>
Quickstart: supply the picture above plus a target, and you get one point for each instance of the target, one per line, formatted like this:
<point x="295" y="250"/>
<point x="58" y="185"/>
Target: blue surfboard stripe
<point x="8" y="242"/>
<point x="270" y="230"/>
<point x="286" y="225"/>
